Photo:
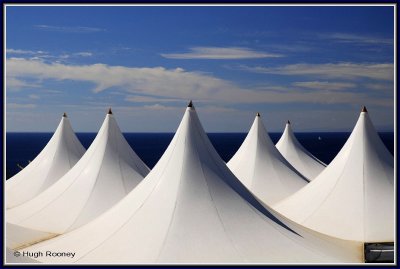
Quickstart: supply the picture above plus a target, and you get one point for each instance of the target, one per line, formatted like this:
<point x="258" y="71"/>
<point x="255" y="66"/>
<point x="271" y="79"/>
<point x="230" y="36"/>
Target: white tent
<point x="189" y="210"/>
<point x="60" y="154"/>
<point x="108" y="171"/>
<point x="301" y="159"/>
<point x="353" y="198"/>
<point x="262" y="169"/>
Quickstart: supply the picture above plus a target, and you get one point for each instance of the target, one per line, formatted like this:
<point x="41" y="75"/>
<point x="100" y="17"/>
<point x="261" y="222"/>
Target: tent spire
<point x="258" y="114"/>
<point x="190" y="104"/>
<point x="65" y="115"/>
<point x="288" y="122"/>
<point x="109" y="111"/>
<point x="364" y="109"/>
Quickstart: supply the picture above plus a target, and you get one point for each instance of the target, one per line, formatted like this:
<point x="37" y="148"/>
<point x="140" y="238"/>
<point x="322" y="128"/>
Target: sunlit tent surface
<point x="60" y="154"/>
<point x="188" y="210"/>
<point x="353" y="197"/>
<point x="105" y="174"/>
<point x="262" y="169"/>
<point x="301" y="159"/>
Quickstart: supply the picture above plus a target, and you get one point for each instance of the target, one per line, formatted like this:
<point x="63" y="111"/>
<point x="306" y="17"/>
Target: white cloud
<point x="377" y="71"/>
<point x="159" y="107"/>
<point x="51" y="91"/>
<point x="214" y="118"/>
<point x="380" y="86"/>
<point x="13" y="83"/>
<point x="326" y="119"/>
<point x="84" y="54"/>
<point x="315" y="97"/>
<point x="324" y="85"/>
<point x="298" y="47"/>
<point x="34" y="96"/>
<point x="156" y="81"/>
<point x="19" y="106"/>
<point x="355" y="38"/>
<point x="150" y="99"/>
<point x="178" y="84"/>
<point x="19" y="51"/>
<point x="218" y="109"/>
<point x="68" y="29"/>
<point x="220" y="53"/>
<point x="47" y="56"/>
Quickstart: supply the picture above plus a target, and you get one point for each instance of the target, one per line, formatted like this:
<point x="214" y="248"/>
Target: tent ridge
<point x="218" y="213"/>
<point x="175" y="205"/>
<point x="87" y="190"/>
<point x="49" y="165"/>
<point x="94" y="185"/>
<point x="362" y="172"/>
<point x="122" y="175"/>
<point x="329" y="193"/>
<point x="298" y="156"/>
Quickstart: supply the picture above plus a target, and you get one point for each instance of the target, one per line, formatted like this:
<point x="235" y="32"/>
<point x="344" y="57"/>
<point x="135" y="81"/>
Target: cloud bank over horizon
<point x="309" y="71"/>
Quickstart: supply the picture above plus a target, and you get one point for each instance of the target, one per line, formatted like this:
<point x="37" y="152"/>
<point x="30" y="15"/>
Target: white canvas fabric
<point x="108" y="171"/>
<point x="262" y="169"/>
<point x="58" y="157"/>
<point x="301" y="159"/>
<point x="189" y="210"/>
<point x="353" y="198"/>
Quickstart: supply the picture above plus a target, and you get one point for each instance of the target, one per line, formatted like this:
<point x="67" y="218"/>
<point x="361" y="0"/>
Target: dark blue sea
<point x="24" y="147"/>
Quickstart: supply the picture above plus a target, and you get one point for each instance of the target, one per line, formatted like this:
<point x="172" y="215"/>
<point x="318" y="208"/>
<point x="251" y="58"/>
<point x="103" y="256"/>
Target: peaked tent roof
<point x="301" y="159"/>
<point x="188" y="210"/>
<point x="262" y="169"/>
<point x="108" y="171"/>
<point x="58" y="157"/>
<point x="353" y="198"/>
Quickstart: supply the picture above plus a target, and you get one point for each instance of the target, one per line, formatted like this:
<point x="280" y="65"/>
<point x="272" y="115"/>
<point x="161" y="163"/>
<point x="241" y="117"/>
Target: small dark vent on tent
<point x="109" y="111"/>
<point x="190" y="104"/>
<point x="65" y="115"/>
<point x="288" y="122"/>
<point x="258" y="114"/>
<point x="379" y="252"/>
<point x="364" y="109"/>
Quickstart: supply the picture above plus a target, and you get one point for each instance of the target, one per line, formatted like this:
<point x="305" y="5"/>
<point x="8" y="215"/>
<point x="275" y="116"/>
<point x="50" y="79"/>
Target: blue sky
<point x="315" y="66"/>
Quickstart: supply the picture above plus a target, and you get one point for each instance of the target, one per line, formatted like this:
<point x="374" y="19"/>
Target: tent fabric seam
<point x="47" y="204"/>
<point x="127" y="221"/>
<point x="52" y="160"/>
<point x="122" y="175"/>
<point x="94" y="185"/>
<point x="216" y="210"/>
<point x="174" y="210"/>
<point x="330" y="192"/>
